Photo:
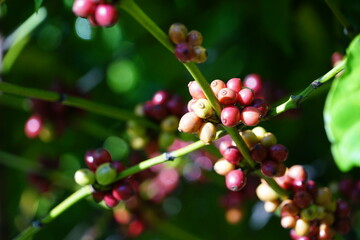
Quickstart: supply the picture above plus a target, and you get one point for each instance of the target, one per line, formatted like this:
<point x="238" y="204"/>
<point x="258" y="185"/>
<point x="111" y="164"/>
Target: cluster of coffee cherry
<point x="98" y="12"/>
<point x="188" y="44"/>
<point x="101" y="173"/>
<point x="241" y="100"/>
<point x="264" y="150"/>
<point x="310" y="212"/>
<point x="164" y="109"/>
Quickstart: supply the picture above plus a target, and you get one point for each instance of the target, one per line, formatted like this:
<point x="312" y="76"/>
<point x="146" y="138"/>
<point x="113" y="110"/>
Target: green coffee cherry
<point x="170" y="124"/>
<point x="105" y="174"/>
<point x="84" y="177"/>
<point x="203" y="109"/>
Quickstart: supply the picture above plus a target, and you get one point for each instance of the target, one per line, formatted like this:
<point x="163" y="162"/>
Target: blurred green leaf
<point x="341" y="113"/>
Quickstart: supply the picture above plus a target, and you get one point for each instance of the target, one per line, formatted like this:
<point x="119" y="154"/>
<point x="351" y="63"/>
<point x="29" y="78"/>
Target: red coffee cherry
<point x="250" y="116"/>
<point x="94" y="158"/>
<point x="184" y="52"/>
<point x="161" y="97"/>
<point x="261" y="105"/>
<point x="33" y="126"/>
<point x="227" y="96"/>
<point x="190" y="123"/>
<point x="195" y="90"/>
<point x="178" y="33"/>
<point x="302" y="199"/>
<point x="84" y="8"/>
<point x="223" y="146"/>
<point x="270" y="168"/>
<point x="235" y="180"/>
<point x="106" y="15"/>
<point x="297" y="172"/>
<point x="110" y="200"/>
<point x="122" y="191"/>
<point x="176" y="105"/>
<point x="259" y="153"/>
<point x="230" y="116"/>
<point x="254" y="82"/>
<point x="216" y="86"/>
<point x="194" y="37"/>
<point x="245" y="97"/>
<point x="234" y="84"/>
<point x="278" y="152"/>
<point x="232" y="155"/>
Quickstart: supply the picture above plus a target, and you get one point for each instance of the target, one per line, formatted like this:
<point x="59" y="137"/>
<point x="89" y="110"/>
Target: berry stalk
<point x="77" y="102"/>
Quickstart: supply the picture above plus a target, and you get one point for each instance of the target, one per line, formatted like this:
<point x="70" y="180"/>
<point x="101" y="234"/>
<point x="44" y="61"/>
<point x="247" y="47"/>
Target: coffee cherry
<point x="98" y="196"/>
<point x="249" y="138"/>
<point x="259" y="132"/>
<point x="270" y="168"/>
<point x="216" y="86"/>
<point x="105" y="174"/>
<point x="194" y="37"/>
<point x="184" y="52"/>
<point x="178" y="33"/>
<point x="230" y="116"/>
<point x="261" y="105"/>
<point x="342" y="209"/>
<point x="234" y="84"/>
<point x="200" y="54"/>
<point x="346" y="186"/>
<point x="312" y="188"/>
<point x="326" y="232"/>
<point x="106" y="15"/>
<point x="250" y="116"/>
<point x="190" y="123"/>
<point x="118" y="166"/>
<point x="84" y="8"/>
<point x="235" y="180"/>
<point x="191" y="104"/>
<point x="309" y="213"/>
<point x="288" y="208"/>
<point x="299" y="185"/>
<point x="259" y="153"/>
<point x="110" y="200"/>
<point x="227" y="96"/>
<point x="223" y="167"/>
<point x="94" y="158"/>
<point x="195" y="90"/>
<point x="92" y="20"/>
<point x="84" y="177"/>
<point x="122" y="191"/>
<point x="302" y="227"/>
<point x="245" y="97"/>
<point x="302" y="199"/>
<point x="176" y="105"/>
<point x="33" y="126"/>
<point x="288" y="221"/>
<point x="161" y="97"/>
<point x="233" y="155"/>
<point x="253" y="81"/>
<point x="158" y="112"/>
<point x="297" y="172"/>
<point x="265" y="193"/>
<point x="271" y="206"/>
<point x="268" y="139"/>
<point x="170" y="124"/>
<point x="278" y="152"/>
<point x="207" y="133"/>
<point x="224" y="145"/>
<point x="203" y="109"/>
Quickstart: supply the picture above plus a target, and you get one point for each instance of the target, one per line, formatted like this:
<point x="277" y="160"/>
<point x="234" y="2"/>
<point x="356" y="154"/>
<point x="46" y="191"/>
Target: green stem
<point x="55" y="212"/>
<point x="77" y="102"/>
<point x="295" y="100"/>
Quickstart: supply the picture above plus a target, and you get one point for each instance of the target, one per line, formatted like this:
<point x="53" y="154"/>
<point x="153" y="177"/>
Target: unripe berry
<point x="250" y="116"/>
<point x="253" y="81"/>
<point x="170" y="124"/>
<point x="106" y="15"/>
<point x="302" y="199"/>
<point x="268" y="139"/>
<point x="309" y="213"/>
<point x="223" y="167"/>
<point x="195" y="90"/>
<point x="288" y="207"/>
<point x="234" y="84"/>
<point x="233" y="155"/>
<point x="265" y="193"/>
<point x="207" y="133"/>
<point x="190" y="123"/>
<point x="191" y="104"/>
<point x="84" y="8"/>
<point x="259" y="132"/>
<point x="105" y="174"/>
<point x="245" y="97"/>
<point x="271" y="206"/>
<point x="326" y="232"/>
<point x="249" y="138"/>
<point x="230" y="116"/>
<point x="302" y="227"/>
<point x="297" y="172"/>
<point x="184" y="52"/>
<point x="178" y="33"/>
<point x="288" y="221"/>
<point x="227" y="96"/>
<point x="200" y="54"/>
<point x="278" y="152"/>
<point x="203" y="109"/>
<point x="235" y="180"/>
<point x="194" y="37"/>
<point x="216" y="86"/>
<point x="84" y="177"/>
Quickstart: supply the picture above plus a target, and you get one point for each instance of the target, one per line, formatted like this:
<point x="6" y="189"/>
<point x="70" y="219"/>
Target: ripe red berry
<point x="161" y="97"/>
<point x="106" y="15"/>
<point x="224" y="145"/>
<point x="184" y="52"/>
<point x="235" y="180"/>
<point x="278" y="152"/>
<point x="250" y="116"/>
<point x="270" y="168"/>
<point x="230" y="116"/>
<point x="176" y="105"/>
<point x="254" y="82"/>
<point x="110" y="200"/>
<point x="245" y="96"/>
<point x="177" y="33"/>
<point x="216" y="86"/>
<point x="195" y="90"/>
<point x="227" y="96"/>
<point x="232" y="155"/>
<point x="33" y="126"/>
<point x="94" y="158"/>
<point x="261" y="105"/>
<point x="297" y="172"/>
<point x="84" y="8"/>
<point x="259" y="153"/>
<point x="302" y="199"/>
<point x="234" y="84"/>
<point x="122" y="191"/>
<point x="157" y="111"/>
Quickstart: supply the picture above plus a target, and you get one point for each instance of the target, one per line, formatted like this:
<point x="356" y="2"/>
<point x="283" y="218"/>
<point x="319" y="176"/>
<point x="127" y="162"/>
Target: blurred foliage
<point x="289" y="43"/>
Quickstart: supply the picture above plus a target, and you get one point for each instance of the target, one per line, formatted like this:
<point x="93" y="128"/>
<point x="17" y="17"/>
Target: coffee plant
<point x="124" y="119"/>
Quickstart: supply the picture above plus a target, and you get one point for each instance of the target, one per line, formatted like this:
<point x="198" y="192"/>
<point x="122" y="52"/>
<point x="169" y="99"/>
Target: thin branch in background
<point x="348" y="29"/>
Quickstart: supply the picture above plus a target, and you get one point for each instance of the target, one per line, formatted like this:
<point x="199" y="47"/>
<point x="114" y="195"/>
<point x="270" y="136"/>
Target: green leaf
<point x="38" y="4"/>
<point x="342" y="112"/>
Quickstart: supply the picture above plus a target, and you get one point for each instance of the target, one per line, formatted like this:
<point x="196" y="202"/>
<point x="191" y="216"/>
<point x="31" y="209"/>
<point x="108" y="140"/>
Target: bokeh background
<point x="288" y="42"/>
